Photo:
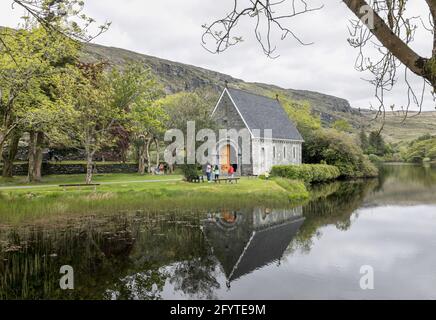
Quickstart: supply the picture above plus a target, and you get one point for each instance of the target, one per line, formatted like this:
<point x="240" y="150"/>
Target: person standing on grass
<point x="216" y="172"/>
<point x="231" y="172"/>
<point x="209" y="172"/>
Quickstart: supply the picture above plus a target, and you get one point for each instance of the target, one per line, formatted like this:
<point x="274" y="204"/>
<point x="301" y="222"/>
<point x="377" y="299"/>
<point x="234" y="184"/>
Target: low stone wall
<point x="67" y="169"/>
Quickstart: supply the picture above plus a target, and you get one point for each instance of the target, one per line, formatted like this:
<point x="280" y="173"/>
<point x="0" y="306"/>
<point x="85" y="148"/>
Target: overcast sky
<point x="171" y="29"/>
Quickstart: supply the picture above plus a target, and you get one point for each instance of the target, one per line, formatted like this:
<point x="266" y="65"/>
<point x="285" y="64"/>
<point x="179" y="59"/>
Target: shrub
<point x="420" y="149"/>
<point x="190" y="172"/>
<point x="339" y="150"/>
<point x="309" y="173"/>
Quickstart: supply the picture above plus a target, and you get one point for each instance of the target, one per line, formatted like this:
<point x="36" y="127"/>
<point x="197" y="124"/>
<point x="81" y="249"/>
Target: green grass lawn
<point x="132" y="192"/>
<point x="80" y="178"/>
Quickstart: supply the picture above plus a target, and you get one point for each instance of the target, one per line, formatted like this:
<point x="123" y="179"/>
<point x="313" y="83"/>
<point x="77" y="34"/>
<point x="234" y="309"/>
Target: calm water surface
<point x="311" y="252"/>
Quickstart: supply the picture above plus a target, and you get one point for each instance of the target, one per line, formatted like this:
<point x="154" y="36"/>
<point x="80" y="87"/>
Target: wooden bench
<point x="66" y="186"/>
<point x="228" y="180"/>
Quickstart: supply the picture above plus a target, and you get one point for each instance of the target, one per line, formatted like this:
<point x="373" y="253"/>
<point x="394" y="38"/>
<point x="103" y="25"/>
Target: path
<point x="101" y="183"/>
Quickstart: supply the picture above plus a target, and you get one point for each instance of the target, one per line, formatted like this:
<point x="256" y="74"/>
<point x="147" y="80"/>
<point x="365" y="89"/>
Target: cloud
<point x="172" y="30"/>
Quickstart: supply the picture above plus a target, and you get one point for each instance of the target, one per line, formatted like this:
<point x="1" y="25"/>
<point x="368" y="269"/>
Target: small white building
<point x="275" y="140"/>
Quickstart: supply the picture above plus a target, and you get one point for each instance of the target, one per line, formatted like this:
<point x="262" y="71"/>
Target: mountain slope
<point x="181" y="77"/>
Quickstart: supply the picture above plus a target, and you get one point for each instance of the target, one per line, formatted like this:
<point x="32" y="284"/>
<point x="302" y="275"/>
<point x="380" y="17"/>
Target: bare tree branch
<point x="267" y="18"/>
<point x="389" y="34"/>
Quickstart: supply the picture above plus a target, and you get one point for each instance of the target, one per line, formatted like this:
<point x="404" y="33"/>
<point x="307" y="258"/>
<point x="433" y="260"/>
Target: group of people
<point x="215" y="172"/>
<point x="161" y="169"/>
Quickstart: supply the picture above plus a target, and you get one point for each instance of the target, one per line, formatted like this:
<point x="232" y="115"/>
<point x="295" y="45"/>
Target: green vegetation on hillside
<point x="329" y="146"/>
<point x="421" y="150"/>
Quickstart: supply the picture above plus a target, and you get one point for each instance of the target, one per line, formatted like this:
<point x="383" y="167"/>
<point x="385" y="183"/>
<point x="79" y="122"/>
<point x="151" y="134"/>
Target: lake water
<point x="314" y="251"/>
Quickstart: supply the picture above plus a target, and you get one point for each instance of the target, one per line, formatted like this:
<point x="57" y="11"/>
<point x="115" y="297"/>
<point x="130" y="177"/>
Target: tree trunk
<point x="89" y="167"/>
<point x="36" y="146"/>
<point x="2" y="141"/>
<point x="39" y="148"/>
<point x="156" y="141"/>
<point x="147" y="152"/>
<point x="142" y="157"/>
<point x="31" y="156"/>
<point x="9" y="157"/>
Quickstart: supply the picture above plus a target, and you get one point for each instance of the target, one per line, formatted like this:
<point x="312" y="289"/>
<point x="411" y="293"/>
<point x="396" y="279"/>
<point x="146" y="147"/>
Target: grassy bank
<point x="80" y="178"/>
<point x="127" y="193"/>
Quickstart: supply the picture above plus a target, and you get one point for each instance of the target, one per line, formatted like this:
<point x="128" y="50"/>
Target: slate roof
<point x="244" y="250"/>
<point x="264" y="113"/>
<point x="266" y="246"/>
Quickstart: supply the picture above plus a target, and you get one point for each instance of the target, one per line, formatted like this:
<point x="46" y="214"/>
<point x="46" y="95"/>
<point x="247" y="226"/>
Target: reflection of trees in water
<point x="118" y="258"/>
<point x="332" y="204"/>
<point x="417" y="174"/>
<point x="404" y="185"/>
<point x="131" y="257"/>
<point x="146" y="285"/>
<point x="31" y="260"/>
<point x="196" y="278"/>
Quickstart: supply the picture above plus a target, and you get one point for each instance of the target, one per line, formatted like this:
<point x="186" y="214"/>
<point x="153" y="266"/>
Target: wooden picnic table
<point x="228" y="180"/>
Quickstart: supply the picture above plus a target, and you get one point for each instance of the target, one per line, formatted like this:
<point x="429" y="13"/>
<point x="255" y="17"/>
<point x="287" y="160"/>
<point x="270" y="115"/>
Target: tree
<point x="189" y="106"/>
<point x="338" y="149"/>
<point x="10" y="153"/>
<point x="377" y="144"/>
<point x="364" y="142"/>
<point x="34" y="62"/>
<point x="30" y="72"/>
<point x="136" y="91"/>
<point x="184" y="107"/>
<point x="95" y="114"/>
<point x="420" y="149"/>
<point x="47" y="119"/>
<point x="327" y="146"/>
<point x="385" y="25"/>
<point x="17" y="79"/>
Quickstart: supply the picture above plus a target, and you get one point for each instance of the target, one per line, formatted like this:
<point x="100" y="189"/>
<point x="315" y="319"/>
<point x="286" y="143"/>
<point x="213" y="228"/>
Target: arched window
<point x="284" y="152"/>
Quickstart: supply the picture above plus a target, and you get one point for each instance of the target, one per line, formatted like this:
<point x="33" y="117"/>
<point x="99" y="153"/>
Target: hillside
<point x="397" y="130"/>
<point x="178" y="77"/>
<point x="181" y="77"/>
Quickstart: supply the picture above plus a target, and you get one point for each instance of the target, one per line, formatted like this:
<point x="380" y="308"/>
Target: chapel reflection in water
<point x="244" y="242"/>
